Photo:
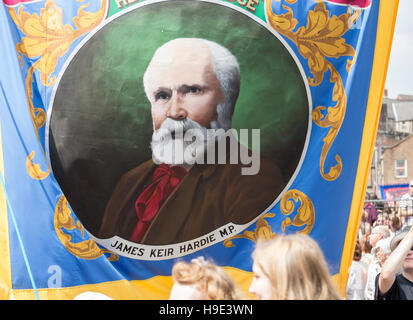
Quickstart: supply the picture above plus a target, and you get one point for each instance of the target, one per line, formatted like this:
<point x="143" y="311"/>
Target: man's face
<point x="408" y="262"/>
<point x="374" y="238"/>
<point x="382" y="220"/>
<point x="411" y="188"/>
<point x="181" y="83"/>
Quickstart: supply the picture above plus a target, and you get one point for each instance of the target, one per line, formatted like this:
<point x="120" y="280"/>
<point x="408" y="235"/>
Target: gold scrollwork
<point x="262" y="231"/>
<point x="305" y="217"/>
<point x="305" y="213"/>
<point x="34" y="169"/>
<point x="320" y="39"/>
<point x="87" y="249"/>
<point x="48" y="38"/>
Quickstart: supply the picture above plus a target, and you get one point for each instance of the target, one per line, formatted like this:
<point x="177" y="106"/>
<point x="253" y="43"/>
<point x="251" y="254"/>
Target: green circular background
<point x="101" y="124"/>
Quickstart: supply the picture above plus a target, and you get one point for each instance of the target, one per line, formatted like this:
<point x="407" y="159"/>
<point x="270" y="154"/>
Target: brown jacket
<point x="208" y="197"/>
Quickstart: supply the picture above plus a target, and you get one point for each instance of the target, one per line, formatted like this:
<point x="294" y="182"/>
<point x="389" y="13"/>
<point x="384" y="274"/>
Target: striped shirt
<point x="406" y="203"/>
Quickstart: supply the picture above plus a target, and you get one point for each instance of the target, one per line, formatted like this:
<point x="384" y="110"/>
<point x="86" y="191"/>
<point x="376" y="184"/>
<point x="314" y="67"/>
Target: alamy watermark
<point x="175" y="144"/>
<point x="55" y="278"/>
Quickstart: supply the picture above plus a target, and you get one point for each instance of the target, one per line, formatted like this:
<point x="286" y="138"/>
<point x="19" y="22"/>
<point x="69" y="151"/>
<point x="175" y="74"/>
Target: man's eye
<point x="194" y="89"/>
<point x="161" y="96"/>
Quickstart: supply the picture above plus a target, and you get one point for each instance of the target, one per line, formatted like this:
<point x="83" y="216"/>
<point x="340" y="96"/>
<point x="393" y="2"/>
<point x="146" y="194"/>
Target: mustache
<point x="176" y="128"/>
<point x="169" y="145"/>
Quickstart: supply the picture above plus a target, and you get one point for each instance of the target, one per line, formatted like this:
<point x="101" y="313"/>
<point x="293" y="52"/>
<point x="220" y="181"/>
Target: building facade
<point x="393" y="152"/>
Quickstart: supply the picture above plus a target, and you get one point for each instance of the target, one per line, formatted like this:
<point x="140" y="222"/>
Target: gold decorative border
<point x="48" y="38"/>
<point x="87" y="249"/>
<point x="320" y="39"/>
<point x="306" y="211"/>
<point x="262" y="231"/>
<point x="305" y="217"/>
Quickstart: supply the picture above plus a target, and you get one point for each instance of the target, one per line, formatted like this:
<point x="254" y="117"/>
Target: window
<point x="400" y="168"/>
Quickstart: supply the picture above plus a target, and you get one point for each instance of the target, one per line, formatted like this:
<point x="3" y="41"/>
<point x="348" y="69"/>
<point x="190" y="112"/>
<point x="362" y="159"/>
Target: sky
<point x="400" y="72"/>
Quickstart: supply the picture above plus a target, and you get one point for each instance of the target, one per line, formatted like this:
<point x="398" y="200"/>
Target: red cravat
<point x="164" y="181"/>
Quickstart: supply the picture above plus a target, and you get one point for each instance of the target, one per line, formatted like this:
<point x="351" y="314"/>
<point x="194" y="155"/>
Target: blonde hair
<point x="296" y="268"/>
<point x="210" y="279"/>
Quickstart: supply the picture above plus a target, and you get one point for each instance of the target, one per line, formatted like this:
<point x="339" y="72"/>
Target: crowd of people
<point x="382" y="266"/>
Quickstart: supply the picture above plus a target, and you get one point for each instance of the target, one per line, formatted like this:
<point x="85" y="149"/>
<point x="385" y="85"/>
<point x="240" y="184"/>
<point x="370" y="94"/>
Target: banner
<point x="393" y="191"/>
<point x="138" y="133"/>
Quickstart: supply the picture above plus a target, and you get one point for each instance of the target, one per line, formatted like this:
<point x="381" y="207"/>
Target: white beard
<point x="173" y="142"/>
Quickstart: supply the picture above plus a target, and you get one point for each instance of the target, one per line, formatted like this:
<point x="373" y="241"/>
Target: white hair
<point x="383" y="230"/>
<point x="227" y="71"/>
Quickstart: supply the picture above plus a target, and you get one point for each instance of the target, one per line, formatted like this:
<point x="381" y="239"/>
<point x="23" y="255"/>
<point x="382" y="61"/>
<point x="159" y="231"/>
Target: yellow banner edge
<point x="155" y="288"/>
<point x="5" y="265"/>
<point x="384" y="37"/>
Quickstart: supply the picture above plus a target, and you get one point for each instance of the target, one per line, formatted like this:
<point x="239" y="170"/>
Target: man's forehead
<point x="184" y="46"/>
<point x="177" y="68"/>
<point x="179" y="57"/>
<point x="182" y="52"/>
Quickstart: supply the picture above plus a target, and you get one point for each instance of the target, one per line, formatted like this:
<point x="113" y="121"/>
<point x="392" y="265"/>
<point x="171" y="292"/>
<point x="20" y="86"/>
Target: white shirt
<point x="406" y="202"/>
<point x="357" y="280"/>
<point x="373" y="271"/>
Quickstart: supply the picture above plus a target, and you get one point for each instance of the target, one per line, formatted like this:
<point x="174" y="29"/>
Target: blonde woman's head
<point x="291" y="267"/>
<point x="202" y="280"/>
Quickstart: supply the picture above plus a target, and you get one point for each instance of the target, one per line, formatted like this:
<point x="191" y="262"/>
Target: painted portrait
<point x="176" y="118"/>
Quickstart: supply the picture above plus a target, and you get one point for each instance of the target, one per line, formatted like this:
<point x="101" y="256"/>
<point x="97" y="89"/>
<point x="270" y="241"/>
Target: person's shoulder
<point x="401" y="279"/>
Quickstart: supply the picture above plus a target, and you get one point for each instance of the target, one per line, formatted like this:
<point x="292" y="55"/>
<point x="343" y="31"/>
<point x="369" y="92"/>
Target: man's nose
<point x="176" y="109"/>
